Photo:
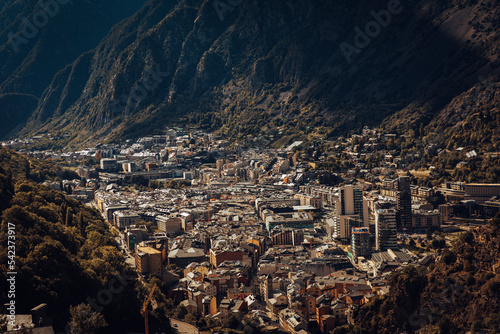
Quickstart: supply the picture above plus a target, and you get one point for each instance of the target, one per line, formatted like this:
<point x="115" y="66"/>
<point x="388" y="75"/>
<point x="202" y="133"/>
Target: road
<point x="183" y="327"/>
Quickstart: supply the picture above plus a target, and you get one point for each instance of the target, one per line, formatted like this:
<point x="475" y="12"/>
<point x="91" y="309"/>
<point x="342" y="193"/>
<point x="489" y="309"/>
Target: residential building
<point x="403" y="204"/>
<point x="426" y="219"/>
<point x="385" y="229"/>
<point x="124" y="219"/>
<point x="169" y="224"/>
<point x="148" y="261"/>
<point x="218" y="256"/>
<point x="351" y="210"/>
<point x="360" y="242"/>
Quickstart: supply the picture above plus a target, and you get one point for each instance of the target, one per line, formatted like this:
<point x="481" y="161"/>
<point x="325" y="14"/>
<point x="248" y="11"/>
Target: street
<point x="183" y="327"/>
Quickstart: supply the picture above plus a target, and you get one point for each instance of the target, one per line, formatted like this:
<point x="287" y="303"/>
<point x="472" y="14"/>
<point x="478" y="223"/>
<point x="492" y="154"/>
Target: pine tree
<point x="80" y="223"/>
<point x="69" y="217"/>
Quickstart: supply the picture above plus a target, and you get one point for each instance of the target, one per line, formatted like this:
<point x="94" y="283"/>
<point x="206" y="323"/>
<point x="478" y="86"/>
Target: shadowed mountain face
<point x="255" y="66"/>
<point x="40" y="37"/>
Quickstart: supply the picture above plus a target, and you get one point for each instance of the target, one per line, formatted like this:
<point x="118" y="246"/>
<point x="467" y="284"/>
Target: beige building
<point x="426" y="218"/>
<point x="169" y="224"/>
<point x="124" y="219"/>
<point x="148" y="261"/>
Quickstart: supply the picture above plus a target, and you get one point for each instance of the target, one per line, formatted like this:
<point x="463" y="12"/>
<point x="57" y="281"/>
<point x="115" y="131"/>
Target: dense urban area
<point x="294" y="238"/>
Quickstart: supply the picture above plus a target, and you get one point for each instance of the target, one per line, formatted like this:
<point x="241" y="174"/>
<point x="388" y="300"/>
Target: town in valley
<point x="293" y="238"/>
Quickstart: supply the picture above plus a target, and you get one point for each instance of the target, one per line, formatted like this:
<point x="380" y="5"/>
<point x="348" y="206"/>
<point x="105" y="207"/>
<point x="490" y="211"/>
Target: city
<point x="238" y="229"/>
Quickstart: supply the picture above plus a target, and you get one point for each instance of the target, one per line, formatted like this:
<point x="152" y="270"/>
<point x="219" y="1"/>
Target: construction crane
<point x="144" y="310"/>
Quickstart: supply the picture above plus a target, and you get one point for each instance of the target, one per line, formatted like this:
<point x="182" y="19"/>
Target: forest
<point x="65" y="256"/>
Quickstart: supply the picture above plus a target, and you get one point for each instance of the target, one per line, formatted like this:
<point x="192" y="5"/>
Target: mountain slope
<point x="468" y="298"/>
<point x="39" y="38"/>
<point x="15" y="110"/>
<point x="259" y="65"/>
<point x="64" y="252"/>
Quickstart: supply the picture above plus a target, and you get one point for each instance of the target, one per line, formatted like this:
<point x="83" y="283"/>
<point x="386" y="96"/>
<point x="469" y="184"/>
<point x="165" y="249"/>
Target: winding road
<point x="183" y="327"/>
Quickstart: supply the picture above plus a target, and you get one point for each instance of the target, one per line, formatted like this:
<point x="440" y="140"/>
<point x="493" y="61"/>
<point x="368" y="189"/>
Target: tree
<point x="85" y="321"/>
<point x="438" y="243"/>
<point x="180" y="312"/>
<point x="69" y="217"/>
<point x="3" y="323"/>
<point x="495" y="222"/>
<point x="190" y="318"/>
<point x="80" y="223"/>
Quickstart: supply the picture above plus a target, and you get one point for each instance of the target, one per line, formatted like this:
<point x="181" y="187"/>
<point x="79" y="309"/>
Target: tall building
<point x="346" y="224"/>
<point x="360" y="241"/>
<point x="148" y="261"/>
<point x="385" y="229"/>
<point x="351" y="210"/>
<point x="403" y="204"/>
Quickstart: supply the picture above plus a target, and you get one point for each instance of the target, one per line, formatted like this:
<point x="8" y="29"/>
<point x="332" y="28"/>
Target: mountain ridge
<point x="270" y="66"/>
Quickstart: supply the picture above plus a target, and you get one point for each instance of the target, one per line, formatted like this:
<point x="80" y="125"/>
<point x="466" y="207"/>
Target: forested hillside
<point x="460" y="293"/>
<point x="65" y="254"/>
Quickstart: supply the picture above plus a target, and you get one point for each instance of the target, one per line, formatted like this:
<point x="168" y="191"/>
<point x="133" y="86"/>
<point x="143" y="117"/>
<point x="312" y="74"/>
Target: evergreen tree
<point x="69" y="218"/>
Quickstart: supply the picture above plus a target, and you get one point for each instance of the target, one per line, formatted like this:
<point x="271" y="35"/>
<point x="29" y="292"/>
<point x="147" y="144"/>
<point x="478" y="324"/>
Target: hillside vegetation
<point x="65" y="254"/>
<point x="460" y="293"/>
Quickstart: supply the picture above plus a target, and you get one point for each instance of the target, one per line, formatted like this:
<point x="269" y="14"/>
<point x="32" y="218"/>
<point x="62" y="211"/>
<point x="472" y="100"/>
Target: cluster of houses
<point x="233" y="228"/>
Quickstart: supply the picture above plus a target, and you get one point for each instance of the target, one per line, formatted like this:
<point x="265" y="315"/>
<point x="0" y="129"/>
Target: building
<point x="148" y="261"/>
<point x="481" y="191"/>
<point x="183" y="258"/>
<point x="315" y="201"/>
<point x="217" y="256"/>
<point x="129" y="167"/>
<point x="169" y="224"/>
<point x="134" y="235"/>
<point x="351" y="202"/>
<point x="109" y="165"/>
<point x="385" y="229"/>
<point x="346" y="224"/>
<point x="403" y="204"/>
<point x="326" y="193"/>
<point x="287" y="236"/>
<point x="124" y="219"/>
<point x="289" y="219"/>
<point x="360" y="242"/>
<point x="209" y="305"/>
<point x="426" y="219"/>
<point x="111" y="209"/>
<point x="351" y="210"/>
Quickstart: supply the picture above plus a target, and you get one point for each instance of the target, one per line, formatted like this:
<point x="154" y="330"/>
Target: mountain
<point x="39" y="38"/>
<point x="459" y="293"/>
<point x="15" y="108"/>
<point x="315" y="68"/>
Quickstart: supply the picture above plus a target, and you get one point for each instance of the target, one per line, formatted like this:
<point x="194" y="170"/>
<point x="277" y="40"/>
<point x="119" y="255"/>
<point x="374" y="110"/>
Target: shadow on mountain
<point x="267" y="64"/>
